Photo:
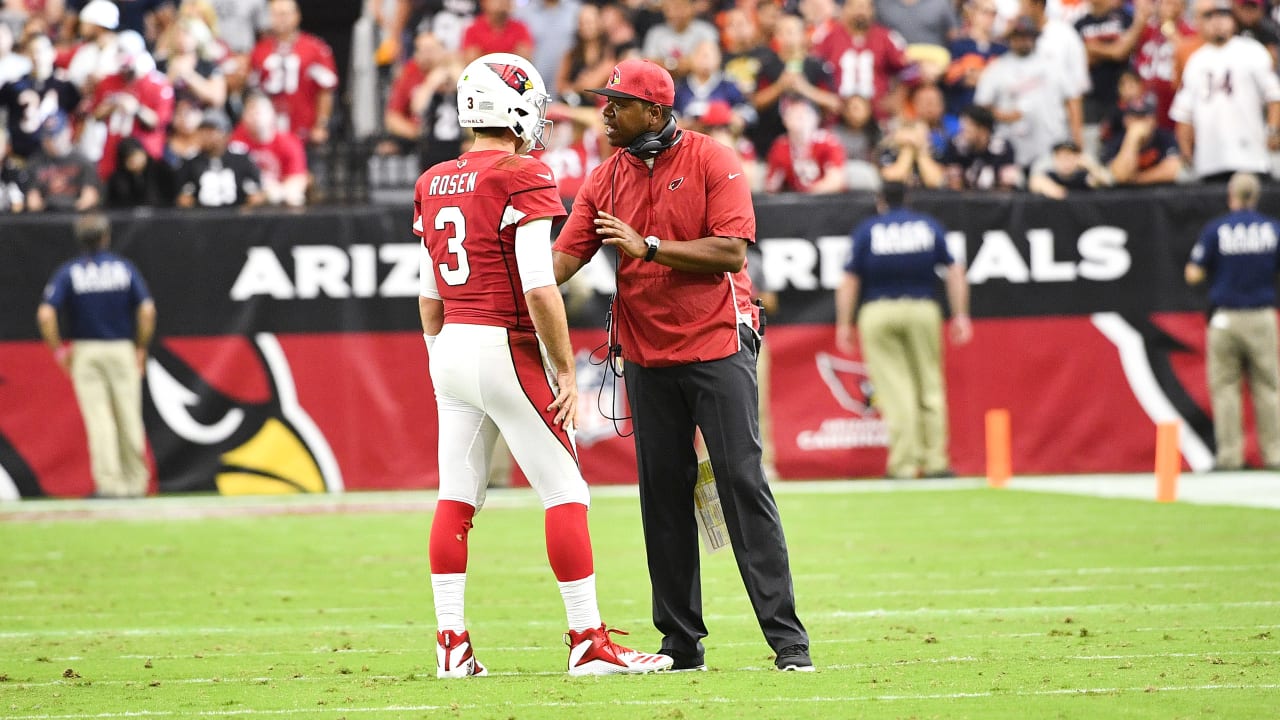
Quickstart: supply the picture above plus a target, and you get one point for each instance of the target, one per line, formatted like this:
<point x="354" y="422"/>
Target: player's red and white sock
<point x="449" y="529"/>
<point x="569" y="551"/>
<point x="448" y="552"/>
<point x="580" y="603"/>
<point x="449" y="591"/>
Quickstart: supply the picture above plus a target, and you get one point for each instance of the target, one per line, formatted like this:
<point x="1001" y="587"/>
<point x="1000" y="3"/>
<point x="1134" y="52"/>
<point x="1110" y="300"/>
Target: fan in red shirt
<point x="494" y="31"/>
<point x="135" y="102"/>
<point x="572" y="150"/>
<point x="280" y="157"/>
<point x="865" y="54"/>
<point x="421" y="112"/>
<point x="1153" y="57"/>
<point x="296" y="70"/>
<point x="806" y="158"/>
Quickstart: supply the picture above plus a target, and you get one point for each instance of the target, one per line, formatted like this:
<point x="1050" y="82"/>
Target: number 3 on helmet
<point x="504" y="90"/>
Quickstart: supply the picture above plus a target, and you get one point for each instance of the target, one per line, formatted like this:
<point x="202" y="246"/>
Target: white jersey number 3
<point x="452" y="215"/>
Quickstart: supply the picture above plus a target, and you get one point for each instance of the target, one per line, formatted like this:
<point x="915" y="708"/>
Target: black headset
<point x="649" y="144"/>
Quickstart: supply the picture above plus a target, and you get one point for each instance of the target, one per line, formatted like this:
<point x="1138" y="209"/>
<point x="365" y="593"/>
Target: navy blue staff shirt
<point x="895" y="255"/>
<point x="1238" y="251"/>
<point x="101" y="292"/>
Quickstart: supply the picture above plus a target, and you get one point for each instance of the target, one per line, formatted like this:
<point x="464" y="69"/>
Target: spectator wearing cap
<point x="133" y="15"/>
<point x="297" y="71"/>
<point x="1059" y="46"/>
<point x="976" y="158"/>
<point x="217" y="177"/>
<point x="1227" y="85"/>
<point x="1143" y="153"/>
<point x="96" y="56"/>
<point x="1029" y="98"/>
<point x="705" y="84"/>
<point x="807" y="158"/>
<point x="720" y="124"/>
<point x="671" y="42"/>
<point x="1202" y="11"/>
<point x="61" y="178"/>
<point x="1252" y="22"/>
<point x="1066" y="170"/>
<point x="1110" y="34"/>
<point x="280" y="157"/>
<point x="25" y="116"/>
<point x="792" y="71"/>
<point x="135" y="102"/>
<point x="970" y="52"/>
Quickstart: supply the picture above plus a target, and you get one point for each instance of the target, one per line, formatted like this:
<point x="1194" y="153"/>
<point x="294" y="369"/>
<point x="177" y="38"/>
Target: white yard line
<point x="1134" y="607"/>
<point x="1251" y="489"/>
<point x="790" y="701"/>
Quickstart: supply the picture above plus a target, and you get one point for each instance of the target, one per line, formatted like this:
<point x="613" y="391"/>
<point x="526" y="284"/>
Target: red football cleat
<point x="593" y="652"/>
<point x="454" y="658"/>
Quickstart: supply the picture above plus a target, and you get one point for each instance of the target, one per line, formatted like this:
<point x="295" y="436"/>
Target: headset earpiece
<point x="649" y="144"/>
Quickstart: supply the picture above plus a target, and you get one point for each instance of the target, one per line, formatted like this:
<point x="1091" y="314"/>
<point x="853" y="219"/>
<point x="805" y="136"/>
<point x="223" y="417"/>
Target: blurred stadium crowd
<point x="216" y="103"/>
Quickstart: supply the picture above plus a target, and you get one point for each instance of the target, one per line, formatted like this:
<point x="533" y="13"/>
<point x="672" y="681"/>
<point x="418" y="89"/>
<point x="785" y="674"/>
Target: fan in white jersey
<point x="1226" y="85"/>
<point x="490" y="310"/>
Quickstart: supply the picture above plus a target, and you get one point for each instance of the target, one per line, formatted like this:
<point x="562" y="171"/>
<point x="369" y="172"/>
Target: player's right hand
<point x="566" y="402"/>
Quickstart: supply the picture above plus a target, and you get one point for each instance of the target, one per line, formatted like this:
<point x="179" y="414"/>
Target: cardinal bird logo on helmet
<point x="515" y="78"/>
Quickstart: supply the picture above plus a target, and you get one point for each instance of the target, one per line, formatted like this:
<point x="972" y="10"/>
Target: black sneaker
<point x="684" y="663"/>
<point x="794" y="657"/>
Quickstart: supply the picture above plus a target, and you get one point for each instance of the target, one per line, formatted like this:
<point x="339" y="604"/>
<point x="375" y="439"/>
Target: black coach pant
<point x="720" y="397"/>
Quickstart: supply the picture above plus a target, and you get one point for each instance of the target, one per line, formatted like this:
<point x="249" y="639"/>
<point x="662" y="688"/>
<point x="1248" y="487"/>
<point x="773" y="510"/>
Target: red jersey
<point x="466" y="212"/>
<point x="1154" y="59"/>
<point x="790" y="169"/>
<point x="280" y="157"/>
<point x="293" y="75"/>
<point x="487" y="39"/>
<point x="696" y="189"/>
<point x="863" y="65"/>
<point x="571" y="164"/>
<point x="152" y="91"/>
<point x="411" y="75"/>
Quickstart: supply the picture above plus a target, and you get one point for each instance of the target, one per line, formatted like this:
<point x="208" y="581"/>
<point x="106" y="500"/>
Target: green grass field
<point x="936" y="603"/>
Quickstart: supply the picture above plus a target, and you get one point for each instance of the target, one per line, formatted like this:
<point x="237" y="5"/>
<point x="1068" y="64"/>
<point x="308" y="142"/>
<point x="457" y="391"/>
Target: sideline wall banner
<point x="288" y="356"/>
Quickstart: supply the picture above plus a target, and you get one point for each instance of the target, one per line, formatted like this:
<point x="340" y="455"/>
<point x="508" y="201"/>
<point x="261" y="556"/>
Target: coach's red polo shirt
<point x="696" y="189"/>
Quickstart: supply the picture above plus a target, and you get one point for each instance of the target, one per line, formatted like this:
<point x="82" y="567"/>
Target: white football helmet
<point x="506" y="91"/>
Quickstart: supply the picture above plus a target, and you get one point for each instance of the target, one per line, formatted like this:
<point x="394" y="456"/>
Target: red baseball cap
<point x="640" y="79"/>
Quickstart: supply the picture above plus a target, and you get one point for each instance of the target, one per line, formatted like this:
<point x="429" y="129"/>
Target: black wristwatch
<point x="652" y="242"/>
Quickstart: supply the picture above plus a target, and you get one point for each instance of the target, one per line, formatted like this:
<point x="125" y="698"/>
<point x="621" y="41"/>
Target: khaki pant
<point x="902" y="347"/>
<point x="109" y="389"/>
<point x="1240" y="342"/>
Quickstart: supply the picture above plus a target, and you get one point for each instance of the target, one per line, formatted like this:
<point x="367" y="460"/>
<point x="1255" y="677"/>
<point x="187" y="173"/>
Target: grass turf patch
<point x="947" y="603"/>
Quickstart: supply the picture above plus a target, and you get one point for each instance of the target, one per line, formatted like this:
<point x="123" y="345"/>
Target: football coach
<point x="676" y="206"/>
